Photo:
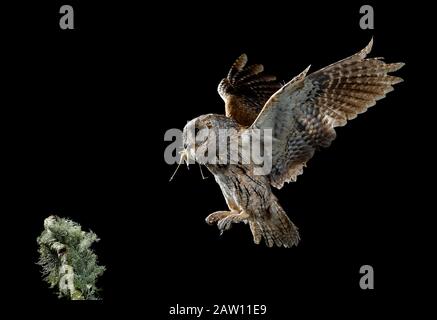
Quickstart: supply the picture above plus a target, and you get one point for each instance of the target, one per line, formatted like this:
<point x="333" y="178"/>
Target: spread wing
<point x="245" y="90"/>
<point x="304" y="112"/>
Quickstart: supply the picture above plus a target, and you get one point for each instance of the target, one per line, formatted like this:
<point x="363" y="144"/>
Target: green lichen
<point x="67" y="260"/>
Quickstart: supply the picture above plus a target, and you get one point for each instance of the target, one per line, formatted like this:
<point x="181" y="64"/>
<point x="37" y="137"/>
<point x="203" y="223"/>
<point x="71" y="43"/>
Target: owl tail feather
<point x="276" y="228"/>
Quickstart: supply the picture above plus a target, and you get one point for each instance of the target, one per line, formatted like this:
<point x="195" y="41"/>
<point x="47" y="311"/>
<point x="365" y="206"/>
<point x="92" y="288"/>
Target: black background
<point x="85" y="127"/>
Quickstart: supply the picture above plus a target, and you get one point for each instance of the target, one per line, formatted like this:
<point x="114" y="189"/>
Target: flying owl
<point x="301" y="116"/>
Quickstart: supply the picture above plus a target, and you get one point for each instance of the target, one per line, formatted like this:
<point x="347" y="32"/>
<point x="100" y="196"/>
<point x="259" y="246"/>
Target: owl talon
<point x="213" y="218"/>
<point x="226" y="223"/>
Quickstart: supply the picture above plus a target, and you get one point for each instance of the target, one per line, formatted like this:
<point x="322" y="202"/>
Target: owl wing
<point x="245" y="90"/>
<point x="305" y="111"/>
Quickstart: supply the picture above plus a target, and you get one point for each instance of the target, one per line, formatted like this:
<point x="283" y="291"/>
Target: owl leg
<point x="217" y="216"/>
<point x="226" y="223"/>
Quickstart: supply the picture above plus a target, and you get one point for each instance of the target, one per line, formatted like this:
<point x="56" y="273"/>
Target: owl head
<point x="201" y="137"/>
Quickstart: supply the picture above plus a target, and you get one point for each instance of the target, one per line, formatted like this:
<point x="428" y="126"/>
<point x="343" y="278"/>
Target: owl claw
<point x="217" y="216"/>
<point x="225" y="219"/>
<point x="226" y="223"/>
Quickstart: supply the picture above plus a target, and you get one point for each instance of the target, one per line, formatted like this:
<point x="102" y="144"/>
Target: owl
<point x="300" y="118"/>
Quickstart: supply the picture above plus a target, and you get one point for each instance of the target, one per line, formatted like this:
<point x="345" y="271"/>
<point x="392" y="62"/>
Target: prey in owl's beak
<point x="185" y="158"/>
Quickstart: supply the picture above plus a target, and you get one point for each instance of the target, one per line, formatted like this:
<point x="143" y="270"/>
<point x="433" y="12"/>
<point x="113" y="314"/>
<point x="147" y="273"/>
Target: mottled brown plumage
<point x="245" y="90"/>
<point x="302" y="115"/>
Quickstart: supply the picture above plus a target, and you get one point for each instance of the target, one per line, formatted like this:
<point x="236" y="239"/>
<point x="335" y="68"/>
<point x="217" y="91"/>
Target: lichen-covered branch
<point x="67" y="259"/>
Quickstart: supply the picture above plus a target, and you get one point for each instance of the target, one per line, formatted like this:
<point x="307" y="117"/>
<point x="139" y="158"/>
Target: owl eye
<point x="196" y="131"/>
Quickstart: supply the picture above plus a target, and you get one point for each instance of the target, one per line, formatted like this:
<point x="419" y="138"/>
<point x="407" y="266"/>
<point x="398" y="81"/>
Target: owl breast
<point x="241" y="189"/>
